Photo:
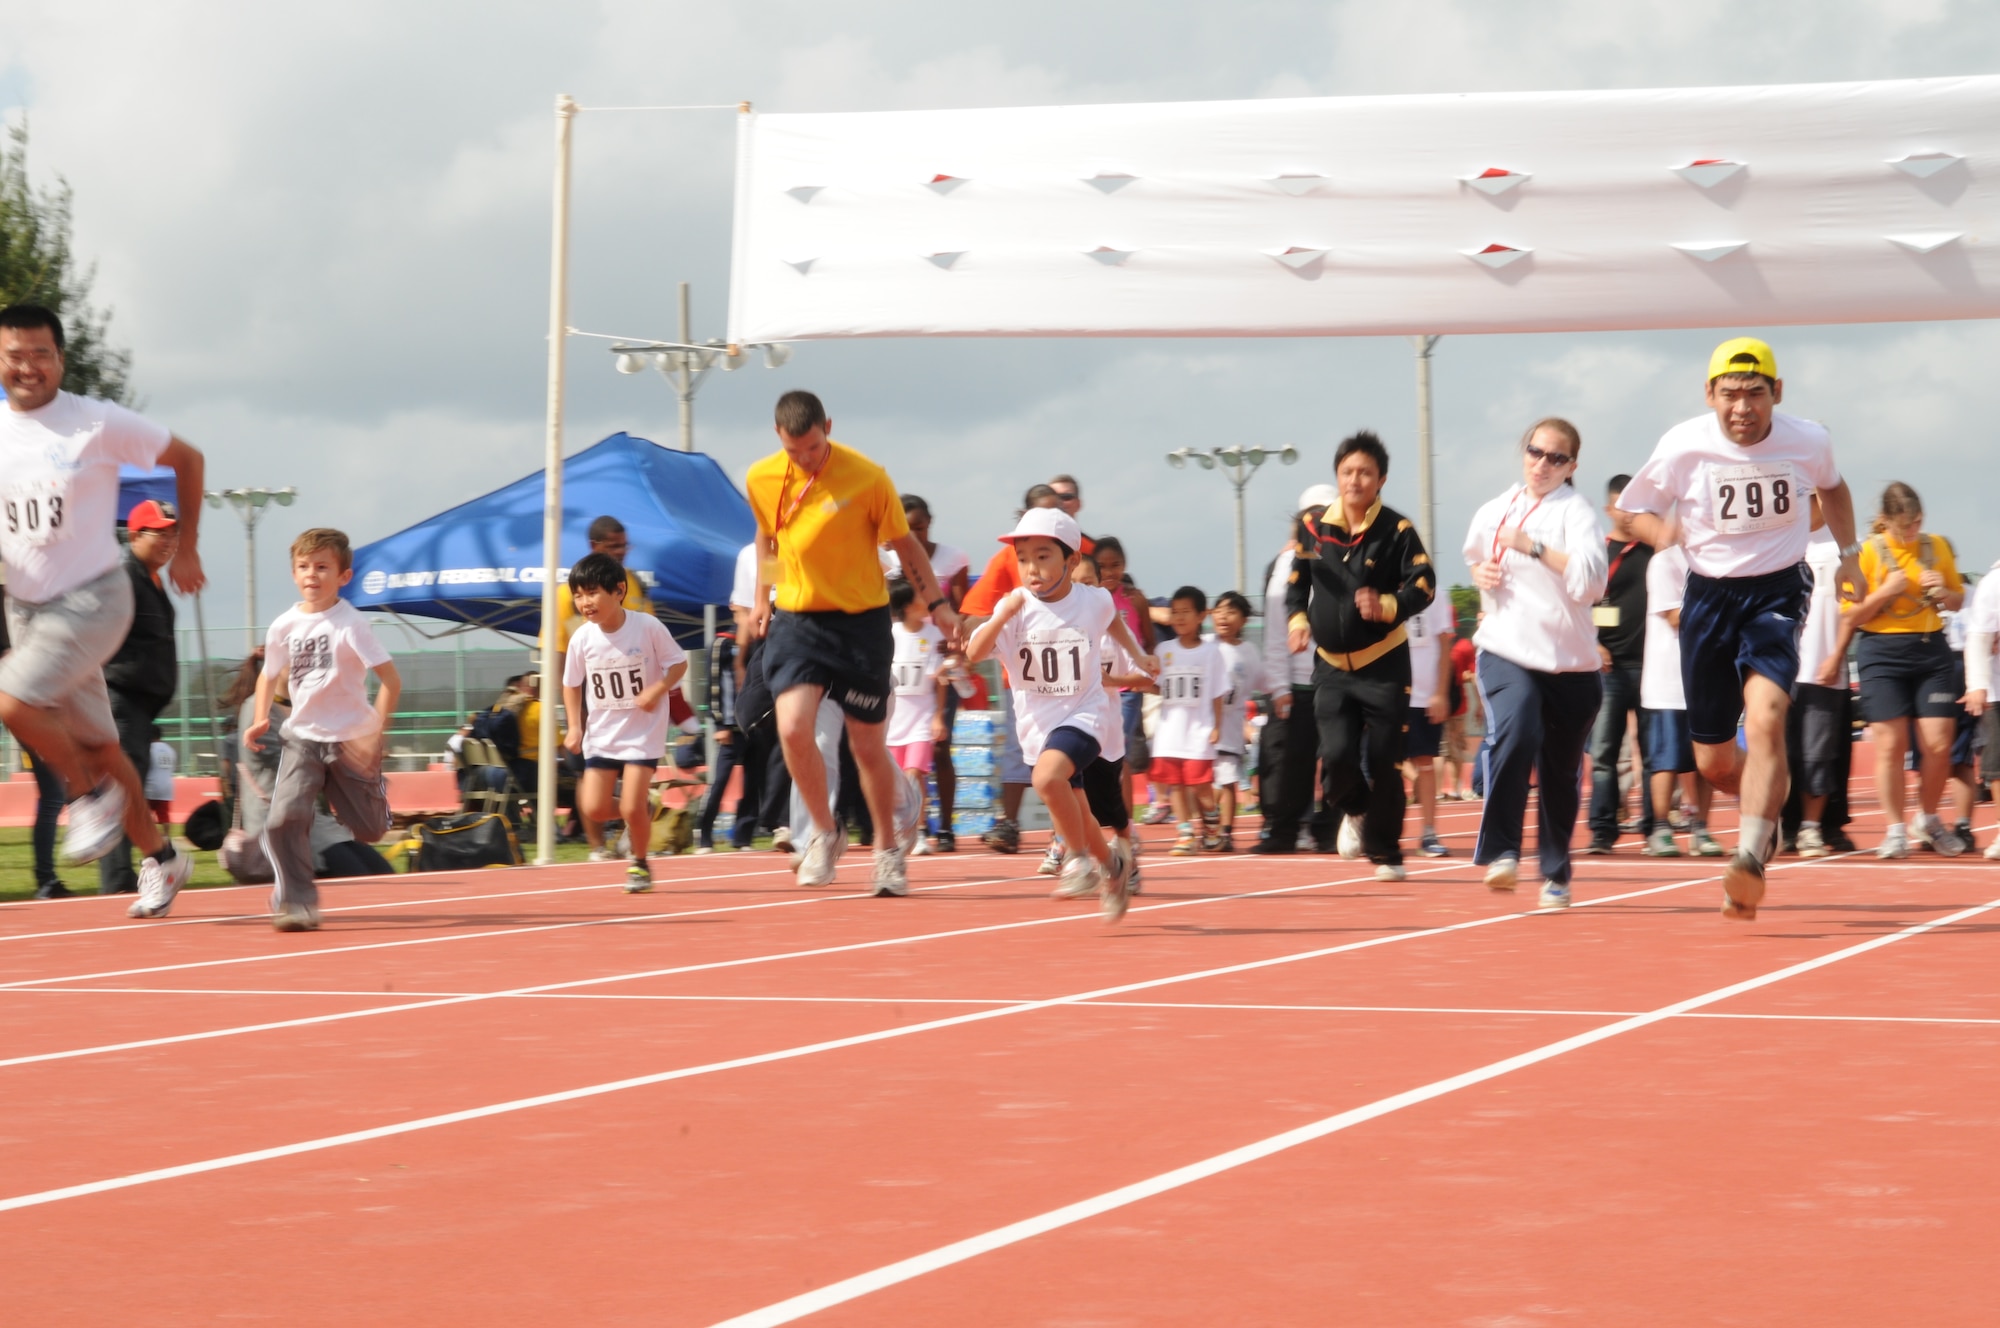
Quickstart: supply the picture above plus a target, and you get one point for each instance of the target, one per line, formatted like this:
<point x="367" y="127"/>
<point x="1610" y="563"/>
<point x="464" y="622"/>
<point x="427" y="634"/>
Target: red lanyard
<point x="799" y="501"/>
<point x="1615" y="562"/>
<point x="1502" y="529"/>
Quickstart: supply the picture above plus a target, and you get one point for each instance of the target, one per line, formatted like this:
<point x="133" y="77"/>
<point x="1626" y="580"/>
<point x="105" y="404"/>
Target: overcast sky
<point x="324" y="234"/>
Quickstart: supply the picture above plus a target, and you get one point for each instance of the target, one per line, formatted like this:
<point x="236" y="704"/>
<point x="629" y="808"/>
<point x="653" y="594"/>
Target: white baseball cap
<point x="1318" y="495"/>
<point x="1050" y="521"/>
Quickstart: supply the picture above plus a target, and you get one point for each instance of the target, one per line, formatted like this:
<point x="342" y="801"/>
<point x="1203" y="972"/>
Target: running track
<point x="1278" y="1093"/>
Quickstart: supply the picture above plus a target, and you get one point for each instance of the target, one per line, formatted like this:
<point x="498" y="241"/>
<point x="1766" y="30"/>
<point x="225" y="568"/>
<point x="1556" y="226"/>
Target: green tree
<point x="1465" y="605"/>
<point x="38" y="265"/>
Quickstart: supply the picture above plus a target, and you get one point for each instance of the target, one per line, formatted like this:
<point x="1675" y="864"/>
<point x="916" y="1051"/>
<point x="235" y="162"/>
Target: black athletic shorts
<point x="1824" y="729"/>
<point x="847" y="655"/>
<point x="1906" y="675"/>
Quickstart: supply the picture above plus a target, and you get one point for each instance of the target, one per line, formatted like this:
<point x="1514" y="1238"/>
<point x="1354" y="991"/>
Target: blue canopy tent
<point x="480" y="564"/>
<point x="136" y="484"/>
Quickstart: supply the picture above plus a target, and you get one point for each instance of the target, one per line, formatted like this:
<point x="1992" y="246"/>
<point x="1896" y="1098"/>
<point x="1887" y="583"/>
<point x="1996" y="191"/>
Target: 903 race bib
<point x="615" y="683"/>
<point x="1749" y="498"/>
<point x="1051" y="660"/>
<point x="37" y="511"/>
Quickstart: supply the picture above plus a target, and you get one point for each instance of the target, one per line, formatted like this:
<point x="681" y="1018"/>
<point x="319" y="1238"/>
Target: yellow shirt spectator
<point x="568" y="619"/>
<point x="1909" y="612"/>
<point x="531" y="730"/>
<point x="828" y="527"/>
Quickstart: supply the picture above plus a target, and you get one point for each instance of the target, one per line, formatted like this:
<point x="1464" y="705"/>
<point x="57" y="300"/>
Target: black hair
<point x="911" y="502"/>
<point x="34" y="315"/>
<point x="798" y="412"/>
<point x="1232" y="600"/>
<point x="1193" y="595"/>
<point x="1368" y="445"/>
<point x="597" y="571"/>
<point x="604" y="527"/>
<point x="901" y="596"/>
<point x="1617" y="485"/>
<point x="1110" y="544"/>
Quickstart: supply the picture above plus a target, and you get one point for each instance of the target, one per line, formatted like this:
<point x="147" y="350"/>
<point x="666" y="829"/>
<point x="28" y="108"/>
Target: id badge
<point x="1604" y="615"/>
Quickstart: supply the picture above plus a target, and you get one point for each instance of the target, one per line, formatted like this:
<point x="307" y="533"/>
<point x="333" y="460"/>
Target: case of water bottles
<point x="974" y="735"/>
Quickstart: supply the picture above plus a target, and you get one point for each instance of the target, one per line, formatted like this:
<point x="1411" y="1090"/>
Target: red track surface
<point x="1821" y="1147"/>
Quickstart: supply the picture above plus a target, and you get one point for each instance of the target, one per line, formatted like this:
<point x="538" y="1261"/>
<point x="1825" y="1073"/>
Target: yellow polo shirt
<point x="828" y="527"/>
<point x="1908" y="613"/>
<point x="568" y="619"/>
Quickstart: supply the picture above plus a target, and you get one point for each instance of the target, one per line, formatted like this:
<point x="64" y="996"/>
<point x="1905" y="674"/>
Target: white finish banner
<point x="1700" y="207"/>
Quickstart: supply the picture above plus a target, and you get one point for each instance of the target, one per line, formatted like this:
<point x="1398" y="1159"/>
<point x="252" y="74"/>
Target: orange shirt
<point x="1002" y="574"/>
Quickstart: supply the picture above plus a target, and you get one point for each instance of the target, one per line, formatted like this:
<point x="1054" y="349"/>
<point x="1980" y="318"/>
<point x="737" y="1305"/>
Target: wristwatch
<point x="932" y="606"/>
<point x="1536" y="549"/>
<point x="1852" y="551"/>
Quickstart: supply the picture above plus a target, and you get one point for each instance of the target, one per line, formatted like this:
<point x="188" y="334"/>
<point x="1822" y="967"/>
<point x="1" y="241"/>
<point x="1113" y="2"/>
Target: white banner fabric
<point x="1699" y="207"/>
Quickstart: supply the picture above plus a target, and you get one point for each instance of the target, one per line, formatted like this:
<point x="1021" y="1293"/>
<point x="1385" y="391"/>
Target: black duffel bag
<point x="472" y="839"/>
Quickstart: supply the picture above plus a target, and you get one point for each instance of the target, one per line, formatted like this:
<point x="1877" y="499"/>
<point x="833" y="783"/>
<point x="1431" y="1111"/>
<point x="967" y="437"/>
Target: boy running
<point x="1433" y="634"/>
<point x="916" y="716"/>
<point x="1669" y="752"/>
<point x="69" y="600"/>
<point x="324" y="650"/>
<point x="1193" y="682"/>
<point x="626" y="663"/>
<point x="1743" y="476"/>
<point x="1048" y="633"/>
<point x="1243" y="674"/>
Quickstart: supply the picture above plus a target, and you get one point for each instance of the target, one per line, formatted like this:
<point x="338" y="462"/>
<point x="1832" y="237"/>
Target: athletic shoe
<point x="600" y="855"/>
<point x="821" y="858"/>
<point x="781" y="839"/>
<point x="1113" y="894"/>
<point x="1132" y="886"/>
<point x="1186" y="846"/>
<point x="1554" y="895"/>
<point x="1390" y="871"/>
<point x="909" y="815"/>
<point x="1942" y="840"/>
<point x="1895" y="844"/>
<point x="1052" y="861"/>
<point x="1599" y="847"/>
<point x="1122" y="870"/>
<point x="1273" y="847"/>
<point x="638" y="878"/>
<point x="1660" y="844"/>
<point x="1211" y="843"/>
<point x="1809" y="844"/>
<point x="295" y="917"/>
<point x="159" y="884"/>
<point x="1158" y="814"/>
<point x="892" y="877"/>
<point x="922" y="848"/>
<point x="1705" y="846"/>
<point x="96" y="824"/>
<point x="1838" y="841"/>
<point x="1080" y="878"/>
<point x="1004" y="837"/>
<point x="1225" y="842"/>
<point x="53" y="890"/>
<point x="1992" y="853"/>
<point x="703" y="850"/>
<point x="1742" y="886"/>
<point x="947" y="842"/>
<point x="1431" y="846"/>
<point x="1349" y="841"/>
<point x="1504" y="874"/>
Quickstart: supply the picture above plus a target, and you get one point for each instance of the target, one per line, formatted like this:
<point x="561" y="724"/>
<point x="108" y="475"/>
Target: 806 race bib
<point x="615" y="683"/>
<point x="1753" y="497"/>
<point x="37" y="511"/>
<point x="1181" y="689"/>
<point x="1051" y="661"/>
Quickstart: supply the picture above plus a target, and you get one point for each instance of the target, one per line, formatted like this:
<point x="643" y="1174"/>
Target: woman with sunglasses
<point x="1537" y="554"/>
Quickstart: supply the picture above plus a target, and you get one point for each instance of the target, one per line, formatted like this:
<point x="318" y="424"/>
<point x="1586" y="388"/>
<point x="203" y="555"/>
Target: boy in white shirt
<point x="1663" y="709"/>
<point x="1048" y="633"/>
<point x="1432" y="635"/>
<point x="1193" y="682"/>
<point x="324" y="650"/>
<point x="916" y="716"/>
<point x="160" y="767"/>
<point x="1244" y="677"/>
<point x="622" y="664"/>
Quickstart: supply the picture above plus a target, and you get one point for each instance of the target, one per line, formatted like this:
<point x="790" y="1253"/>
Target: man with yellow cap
<point x="1735" y="487"/>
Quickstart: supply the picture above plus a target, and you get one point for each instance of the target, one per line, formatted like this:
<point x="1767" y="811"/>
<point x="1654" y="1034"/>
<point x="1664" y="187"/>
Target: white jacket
<point x="1538" y="619"/>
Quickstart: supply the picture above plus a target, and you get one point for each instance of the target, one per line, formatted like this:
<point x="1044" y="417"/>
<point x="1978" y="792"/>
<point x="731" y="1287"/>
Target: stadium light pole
<point x="685" y="363"/>
<point x="249" y="505"/>
<point x="1238" y="465"/>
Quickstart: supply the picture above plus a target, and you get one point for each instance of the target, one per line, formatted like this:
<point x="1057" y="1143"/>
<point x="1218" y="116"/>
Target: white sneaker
<point x="600" y="855"/>
<point x="1504" y="874"/>
<point x="96" y="824"/>
<point x="892" y="876"/>
<point x="1052" y="861"/>
<point x="1390" y="871"/>
<point x="1894" y="844"/>
<point x="158" y="885"/>
<point x="1080" y="878"/>
<point x="1992" y="853"/>
<point x="1349" y="840"/>
<point x="1944" y="841"/>
<point x="1554" y="895"/>
<point x="1810" y="843"/>
<point x="821" y="858"/>
<point x="922" y="848"/>
<point x="703" y="850"/>
<point x="1115" y="893"/>
<point x="781" y="838"/>
<point x="295" y="918"/>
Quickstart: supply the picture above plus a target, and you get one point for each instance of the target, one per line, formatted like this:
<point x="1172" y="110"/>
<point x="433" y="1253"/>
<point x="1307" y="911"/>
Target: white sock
<point x="1753" y="835"/>
<point x="1808" y="825"/>
<point x="1895" y="830"/>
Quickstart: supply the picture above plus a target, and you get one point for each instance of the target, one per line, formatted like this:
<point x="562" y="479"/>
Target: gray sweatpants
<point x="305" y="770"/>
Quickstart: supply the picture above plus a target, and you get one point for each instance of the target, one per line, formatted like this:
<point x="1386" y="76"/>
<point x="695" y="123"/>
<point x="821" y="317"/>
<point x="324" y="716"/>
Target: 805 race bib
<point x="37" y="511"/>
<point x="1748" y="498"/>
<point x="615" y="683"/>
<point x="1051" y="661"/>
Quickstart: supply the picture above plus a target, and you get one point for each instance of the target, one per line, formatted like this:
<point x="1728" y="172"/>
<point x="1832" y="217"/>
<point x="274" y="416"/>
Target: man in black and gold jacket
<point x="1360" y="575"/>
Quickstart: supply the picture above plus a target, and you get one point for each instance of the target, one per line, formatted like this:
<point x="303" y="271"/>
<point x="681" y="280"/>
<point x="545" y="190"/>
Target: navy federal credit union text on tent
<point x="480" y="563"/>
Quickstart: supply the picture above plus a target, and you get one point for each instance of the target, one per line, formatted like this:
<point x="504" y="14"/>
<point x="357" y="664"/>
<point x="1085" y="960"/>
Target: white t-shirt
<point x="59" y="490"/>
<point x="1280" y="662"/>
<point x="1982" y="618"/>
<point x="1427" y="631"/>
<point x="919" y="656"/>
<point x="1053" y="659"/>
<point x="1111" y="734"/>
<point x="160" y="773"/>
<point x="611" y="669"/>
<point x="1660" y="686"/>
<point x="1539" y="618"/>
<point x="1744" y="511"/>
<point x="1192" y="679"/>
<point x="743" y="589"/>
<point x="946" y="563"/>
<point x="1822" y="626"/>
<point x="326" y="658"/>
<point x="1244" y="676"/>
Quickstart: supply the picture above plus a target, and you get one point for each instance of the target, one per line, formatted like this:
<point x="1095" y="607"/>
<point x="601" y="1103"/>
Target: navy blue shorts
<point x="1732" y="627"/>
<point x="1668" y="746"/>
<point x="1420" y="736"/>
<point x="1081" y="748"/>
<point x="614" y="763"/>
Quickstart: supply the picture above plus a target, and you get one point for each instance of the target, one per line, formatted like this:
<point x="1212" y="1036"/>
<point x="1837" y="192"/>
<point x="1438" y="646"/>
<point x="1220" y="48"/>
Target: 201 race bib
<point x="615" y="683"/>
<point x="1051" y="661"/>
<point x="1748" y="498"/>
<point x="36" y="511"/>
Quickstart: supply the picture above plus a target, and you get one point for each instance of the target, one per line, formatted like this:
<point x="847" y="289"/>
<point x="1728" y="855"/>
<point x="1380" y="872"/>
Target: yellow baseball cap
<point x="1731" y="355"/>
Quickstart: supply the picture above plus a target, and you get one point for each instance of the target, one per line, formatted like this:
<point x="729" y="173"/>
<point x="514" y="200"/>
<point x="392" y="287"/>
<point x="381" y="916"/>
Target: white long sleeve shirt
<point x="1540" y="619"/>
<point x="1280" y="663"/>
<point x="1982" y="634"/>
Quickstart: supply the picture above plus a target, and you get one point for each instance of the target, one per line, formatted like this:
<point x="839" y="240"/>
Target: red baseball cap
<point x="152" y="515"/>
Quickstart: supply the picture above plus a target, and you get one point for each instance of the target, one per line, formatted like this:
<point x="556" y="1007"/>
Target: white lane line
<point x="741" y="1062"/>
<point x="853" y="1288"/>
<point x="396" y="1006"/>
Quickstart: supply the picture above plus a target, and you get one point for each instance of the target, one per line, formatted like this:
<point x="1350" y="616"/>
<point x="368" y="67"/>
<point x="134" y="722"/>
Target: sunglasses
<point x="1553" y="458"/>
<point x="1063" y="496"/>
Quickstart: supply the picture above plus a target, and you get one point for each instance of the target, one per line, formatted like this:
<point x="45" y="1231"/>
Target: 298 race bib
<point x="1748" y="498"/>
<point x="1051" y="661"/>
<point x="36" y="511"/>
<point x="615" y="683"/>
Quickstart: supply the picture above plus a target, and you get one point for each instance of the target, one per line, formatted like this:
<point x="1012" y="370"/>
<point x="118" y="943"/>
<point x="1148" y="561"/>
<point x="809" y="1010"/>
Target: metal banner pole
<point x="1428" y="488"/>
<point x="552" y="508"/>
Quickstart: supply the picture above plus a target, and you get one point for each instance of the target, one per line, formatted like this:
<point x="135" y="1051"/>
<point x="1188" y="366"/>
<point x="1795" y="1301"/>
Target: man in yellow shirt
<point x="822" y="512"/>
